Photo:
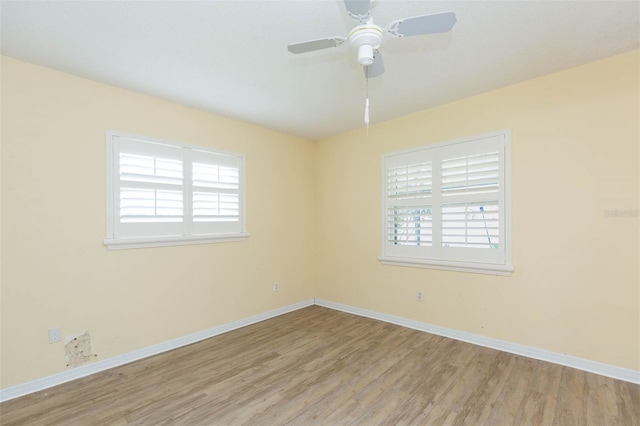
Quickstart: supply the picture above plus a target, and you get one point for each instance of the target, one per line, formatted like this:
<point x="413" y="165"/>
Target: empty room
<point x="363" y="212"/>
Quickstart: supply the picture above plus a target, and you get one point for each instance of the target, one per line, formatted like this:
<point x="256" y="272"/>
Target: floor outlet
<point x="55" y="335"/>
<point x="420" y="296"/>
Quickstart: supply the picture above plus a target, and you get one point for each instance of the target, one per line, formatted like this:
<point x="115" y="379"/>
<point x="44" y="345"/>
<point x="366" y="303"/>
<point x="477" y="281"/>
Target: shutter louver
<point x="408" y="182"/>
<point x="475" y="225"/>
<point x="409" y="219"/>
<point x="151" y="189"/>
<point x="150" y="169"/>
<point x="150" y="205"/>
<point x="216" y="193"/>
<point x="410" y="226"/>
<point x="475" y="174"/>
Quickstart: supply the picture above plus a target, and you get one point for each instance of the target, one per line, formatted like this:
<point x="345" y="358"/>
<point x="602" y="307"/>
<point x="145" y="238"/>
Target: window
<point x="446" y="206"/>
<point x="164" y="193"/>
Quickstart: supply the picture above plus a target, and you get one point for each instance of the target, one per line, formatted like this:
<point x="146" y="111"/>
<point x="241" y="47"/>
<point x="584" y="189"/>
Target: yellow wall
<point x="55" y="270"/>
<point x="575" y="154"/>
<point x="313" y="211"/>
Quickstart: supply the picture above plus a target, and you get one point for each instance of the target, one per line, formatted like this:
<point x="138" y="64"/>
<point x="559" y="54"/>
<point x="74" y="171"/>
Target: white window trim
<point x="479" y="268"/>
<point x="145" y="242"/>
<point x="505" y="268"/>
<point x="120" y="243"/>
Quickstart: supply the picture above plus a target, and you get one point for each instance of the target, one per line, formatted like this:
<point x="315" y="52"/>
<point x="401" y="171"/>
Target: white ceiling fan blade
<point x="311" y="45"/>
<point x="425" y="24"/>
<point x="376" y="68"/>
<point x="360" y="10"/>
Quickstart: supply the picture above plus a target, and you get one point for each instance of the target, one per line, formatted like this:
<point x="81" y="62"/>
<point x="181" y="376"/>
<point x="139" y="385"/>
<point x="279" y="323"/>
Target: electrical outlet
<point x="276" y="286"/>
<point x="420" y="295"/>
<point x="55" y="335"/>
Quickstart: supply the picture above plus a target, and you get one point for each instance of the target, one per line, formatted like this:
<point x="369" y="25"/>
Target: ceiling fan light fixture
<point x="365" y="55"/>
<point x="366" y="38"/>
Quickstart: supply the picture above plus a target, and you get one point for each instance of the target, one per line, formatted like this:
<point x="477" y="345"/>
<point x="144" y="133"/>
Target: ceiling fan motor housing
<point x="367" y="39"/>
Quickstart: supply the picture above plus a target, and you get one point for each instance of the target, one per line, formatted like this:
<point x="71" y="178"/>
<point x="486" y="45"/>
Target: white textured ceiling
<point x="230" y="57"/>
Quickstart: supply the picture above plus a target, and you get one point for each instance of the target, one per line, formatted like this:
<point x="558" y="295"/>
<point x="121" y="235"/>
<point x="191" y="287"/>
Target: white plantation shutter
<point x="149" y="188"/>
<point x="412" y="181"/>
<point x="216" y="192"/>
<point x="471" y="174"/>
<point x="471" y="225"/>
<point x="410" y="226"/>
<point x="408" y="209"/>
<point x="169" y="192"/>
<point x="446" y="205"/>
<point x="472" y="200"/>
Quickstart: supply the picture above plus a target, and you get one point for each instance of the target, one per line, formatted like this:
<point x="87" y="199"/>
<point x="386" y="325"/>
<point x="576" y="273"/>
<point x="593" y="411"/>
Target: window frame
<point x="426" y="257"/>
<point x="114" y="241"/>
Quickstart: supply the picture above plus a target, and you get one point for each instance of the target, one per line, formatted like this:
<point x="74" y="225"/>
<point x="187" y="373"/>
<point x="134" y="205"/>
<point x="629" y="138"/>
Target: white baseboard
<point x="95" y="367"/>
<point x="22" y="389"/>
<point x="612" y="371"/>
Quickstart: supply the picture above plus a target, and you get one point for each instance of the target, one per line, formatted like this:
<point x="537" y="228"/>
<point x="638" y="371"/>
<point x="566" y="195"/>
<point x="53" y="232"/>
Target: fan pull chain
<point x="366" y="114"/>
<point x="366" y="103"/>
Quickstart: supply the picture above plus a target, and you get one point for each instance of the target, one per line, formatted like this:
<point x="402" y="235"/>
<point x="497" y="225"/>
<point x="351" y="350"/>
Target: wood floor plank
<point x="317" y="366"/>
<point x="570" y="409"/>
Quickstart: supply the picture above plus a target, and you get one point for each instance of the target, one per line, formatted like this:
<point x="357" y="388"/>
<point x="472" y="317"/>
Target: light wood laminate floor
<point x="321" y="366"/>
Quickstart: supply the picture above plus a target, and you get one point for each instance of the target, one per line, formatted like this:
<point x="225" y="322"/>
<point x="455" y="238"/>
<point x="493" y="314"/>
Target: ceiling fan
<point x="367" y="37"/>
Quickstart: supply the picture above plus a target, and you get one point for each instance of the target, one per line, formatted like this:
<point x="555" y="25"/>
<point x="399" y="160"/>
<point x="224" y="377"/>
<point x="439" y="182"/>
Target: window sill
<point x="144" y="242"/>
<point x="477" y="268"/>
